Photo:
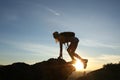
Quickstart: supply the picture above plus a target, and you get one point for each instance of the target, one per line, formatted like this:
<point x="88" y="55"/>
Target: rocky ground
<point x="52" y="69"/>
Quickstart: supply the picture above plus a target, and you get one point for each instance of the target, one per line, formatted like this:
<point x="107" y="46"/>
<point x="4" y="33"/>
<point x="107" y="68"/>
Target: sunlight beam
<point x="78" y="65"/>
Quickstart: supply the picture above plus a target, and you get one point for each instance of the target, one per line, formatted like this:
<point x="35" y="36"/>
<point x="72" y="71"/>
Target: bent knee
<point x="70" y="51"/>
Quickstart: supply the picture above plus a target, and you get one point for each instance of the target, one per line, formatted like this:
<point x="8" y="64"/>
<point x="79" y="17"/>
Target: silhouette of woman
<point x="62" y="39"/>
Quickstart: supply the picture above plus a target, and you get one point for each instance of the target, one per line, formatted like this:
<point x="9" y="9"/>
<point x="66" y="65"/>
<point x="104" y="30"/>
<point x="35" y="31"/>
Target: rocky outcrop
<point x="108" y="72"/>
<point x="53" y="69"/>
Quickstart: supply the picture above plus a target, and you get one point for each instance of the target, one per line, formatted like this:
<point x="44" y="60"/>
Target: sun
<point x="78" y="65"/>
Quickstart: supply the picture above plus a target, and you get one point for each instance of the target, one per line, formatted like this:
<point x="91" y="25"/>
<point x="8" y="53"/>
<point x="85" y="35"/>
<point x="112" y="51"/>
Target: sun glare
<point x="78" y="65"/>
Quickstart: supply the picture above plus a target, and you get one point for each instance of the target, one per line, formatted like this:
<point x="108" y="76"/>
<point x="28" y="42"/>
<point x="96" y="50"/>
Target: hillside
<point x="108" y="72"/>
<point x="53" y="69"/>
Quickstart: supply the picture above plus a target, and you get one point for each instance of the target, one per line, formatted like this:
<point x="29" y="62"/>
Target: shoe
<point x="85" y="63"/>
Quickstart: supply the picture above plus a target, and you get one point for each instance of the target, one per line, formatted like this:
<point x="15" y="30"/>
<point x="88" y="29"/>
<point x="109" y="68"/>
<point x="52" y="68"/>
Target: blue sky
<point x="26" y="28"/>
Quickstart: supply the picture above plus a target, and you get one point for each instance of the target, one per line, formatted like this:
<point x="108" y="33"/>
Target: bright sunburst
<point x="78" y="65"/>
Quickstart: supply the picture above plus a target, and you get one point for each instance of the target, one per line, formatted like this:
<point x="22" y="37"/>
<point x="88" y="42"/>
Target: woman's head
<point x="56" y="35"/>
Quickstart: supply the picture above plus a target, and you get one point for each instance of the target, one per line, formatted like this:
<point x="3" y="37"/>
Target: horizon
<point x="26" y="28"/>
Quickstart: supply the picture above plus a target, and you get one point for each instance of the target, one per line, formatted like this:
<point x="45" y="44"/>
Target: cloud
<point x="52" y="11"/>
<point x="38" y="48"/>
<point x="35" y="48"/>
<point x="104" y="59"/>
<point x="98" y="61"/>
<point x="110" y="58"/>
<point x="91" y="43"/>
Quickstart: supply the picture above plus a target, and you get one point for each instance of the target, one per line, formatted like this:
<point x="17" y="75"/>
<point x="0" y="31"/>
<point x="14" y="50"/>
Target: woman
<point x="62" y="39"/>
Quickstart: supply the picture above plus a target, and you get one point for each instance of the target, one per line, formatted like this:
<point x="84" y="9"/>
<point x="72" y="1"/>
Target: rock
<point x="53" y="69"/>
<point x="108" y="72"/>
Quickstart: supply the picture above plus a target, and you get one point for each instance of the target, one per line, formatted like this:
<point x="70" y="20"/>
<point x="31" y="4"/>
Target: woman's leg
<point x="71" y="50"/>
<point x="77" y="56"/>
<point x="70" y="53"/>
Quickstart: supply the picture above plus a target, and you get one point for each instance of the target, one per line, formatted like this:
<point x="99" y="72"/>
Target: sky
<point x="26" y="28"/>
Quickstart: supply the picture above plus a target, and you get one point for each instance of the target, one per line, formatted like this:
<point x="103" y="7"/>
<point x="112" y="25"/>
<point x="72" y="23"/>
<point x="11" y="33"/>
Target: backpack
<point x="67" y="34"/>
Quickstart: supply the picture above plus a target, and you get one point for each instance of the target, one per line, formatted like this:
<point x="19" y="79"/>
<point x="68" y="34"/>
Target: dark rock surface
<point x="108" y="72"/>
<point x="53" y="69"/>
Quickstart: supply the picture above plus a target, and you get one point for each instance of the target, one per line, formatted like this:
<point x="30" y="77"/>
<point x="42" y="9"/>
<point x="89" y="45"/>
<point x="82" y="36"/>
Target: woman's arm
<point x="61" y="46"/>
